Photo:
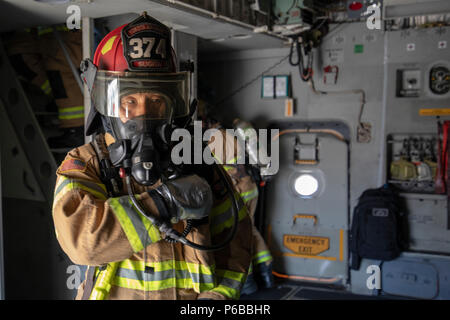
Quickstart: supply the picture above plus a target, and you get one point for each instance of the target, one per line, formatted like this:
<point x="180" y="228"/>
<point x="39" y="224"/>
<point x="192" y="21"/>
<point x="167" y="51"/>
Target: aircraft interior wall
<point x="371" y="116"/>
<point x="371" y="61"/>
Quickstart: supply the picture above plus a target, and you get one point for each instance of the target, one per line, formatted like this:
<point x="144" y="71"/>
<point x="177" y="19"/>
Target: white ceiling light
<point x="233" y="37"/>
<point x="241" y="36"/>
<point x="306" y="185"/>
<point x="53" y="1"/>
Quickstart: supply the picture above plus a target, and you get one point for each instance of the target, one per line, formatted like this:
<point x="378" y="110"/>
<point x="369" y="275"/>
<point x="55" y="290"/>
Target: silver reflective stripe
<point x="141" y="231"/>
<point x="257" y="259"/>
<point x="225" y="216"/>
<point x="222" y="218"/>
<point x="247" y="196"/>
<point x="202" y="278"/>
<point x="230" y="283"/>
<point x="163" y="275"/>
<point x="89" y="184"/>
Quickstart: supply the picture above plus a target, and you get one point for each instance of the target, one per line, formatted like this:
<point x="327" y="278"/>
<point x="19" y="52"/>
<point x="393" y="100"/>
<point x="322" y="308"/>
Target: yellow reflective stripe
<point x="232" y="161"/>
<point x="81" y="116"/>
<point x="221" y="216"/>
<point x="71" y="109"/>
<point x="167" y="265"/>
<point x="166" y="274"/>
<point x="225" y="205"/>
<point x="261" y="253"/>
<point x="77" y="185"/>
<point x="94" y="186"/>
<point x="72" y="185"/>
<point x="262" y="256"/>
<point x="46" y="87"/>
<point x="134" y="265"/>
<point x="219" y="161"/>
<point x="249" y="195"/>
<point x="103" y="284"/>
<point x="71" y="112"/>
<point x="139" y="230"/>
<point x="216" y="229"/>
<point x="42" y="31"/>
<point x="227" y="292"/>
<point x="238" y="276"/>
<point x="221" y="208"/>
<point x="152" y="230"/>
<point x="153" y="285"/>
<point x="127" y="225"/>
<point x="205" y="274"/>
<point x="97" y="272"/>
<point x="73" y="116"/>
<point x="228" y="168"/>
<point x="65" y="185"/>
<point x="230" y="283"/>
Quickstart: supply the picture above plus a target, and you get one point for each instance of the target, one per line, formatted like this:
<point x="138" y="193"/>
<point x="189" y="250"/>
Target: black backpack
<point x="377" y="230"/>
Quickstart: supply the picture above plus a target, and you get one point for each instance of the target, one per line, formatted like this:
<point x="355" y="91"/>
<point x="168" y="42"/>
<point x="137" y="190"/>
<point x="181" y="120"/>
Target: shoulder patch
<point x="71" y="165"/>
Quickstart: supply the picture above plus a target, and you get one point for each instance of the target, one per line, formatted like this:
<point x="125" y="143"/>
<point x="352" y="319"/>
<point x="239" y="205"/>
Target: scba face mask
<point x="138" y="108"/>
<point x="137" y="94"/>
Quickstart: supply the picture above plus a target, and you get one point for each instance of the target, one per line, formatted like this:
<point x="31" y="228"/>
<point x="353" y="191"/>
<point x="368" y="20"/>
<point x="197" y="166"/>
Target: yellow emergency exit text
<point x="307" y="245"/>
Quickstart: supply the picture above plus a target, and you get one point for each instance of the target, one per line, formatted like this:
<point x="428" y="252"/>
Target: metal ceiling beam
<point x="403" y="9"/>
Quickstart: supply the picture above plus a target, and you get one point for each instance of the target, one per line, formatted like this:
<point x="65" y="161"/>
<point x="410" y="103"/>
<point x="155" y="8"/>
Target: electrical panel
<point x="291" y="12"/>
<point x="412" y="162"/>
<point x="296" y="16"/>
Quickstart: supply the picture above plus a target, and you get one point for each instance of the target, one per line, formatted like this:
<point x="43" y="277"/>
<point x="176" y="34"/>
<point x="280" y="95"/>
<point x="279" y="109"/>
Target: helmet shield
<point x="146" y="96"/>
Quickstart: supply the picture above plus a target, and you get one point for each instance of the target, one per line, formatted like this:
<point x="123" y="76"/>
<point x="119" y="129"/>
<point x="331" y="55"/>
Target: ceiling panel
<point x="16" y="14"/>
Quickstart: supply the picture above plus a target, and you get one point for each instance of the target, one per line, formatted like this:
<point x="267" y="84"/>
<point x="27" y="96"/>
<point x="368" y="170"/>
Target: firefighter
<point x="24" y="51"/>
<point x="244" y="180"/>
<point x="40" y="62"/>
<point x="65" y="90"/>
<point x="124" y="224"/>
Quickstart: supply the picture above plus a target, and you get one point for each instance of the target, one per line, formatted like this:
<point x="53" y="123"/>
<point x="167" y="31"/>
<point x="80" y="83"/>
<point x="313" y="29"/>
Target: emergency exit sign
<point x="306" y="245"/>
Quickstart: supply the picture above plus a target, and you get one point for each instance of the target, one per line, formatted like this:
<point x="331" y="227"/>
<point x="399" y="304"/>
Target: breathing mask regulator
<point x="139" y="99"/>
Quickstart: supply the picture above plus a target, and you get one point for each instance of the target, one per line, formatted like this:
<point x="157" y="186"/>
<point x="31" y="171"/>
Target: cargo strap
<point x="443" y="169"/>
<point x="445" y="155"/>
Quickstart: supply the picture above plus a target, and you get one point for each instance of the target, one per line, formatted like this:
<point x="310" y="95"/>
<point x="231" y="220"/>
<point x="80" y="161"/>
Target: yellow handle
<point x="305" y="216"/>
<point x="103" y="284"/>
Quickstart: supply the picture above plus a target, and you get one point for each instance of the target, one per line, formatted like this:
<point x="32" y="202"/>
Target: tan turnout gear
<point x="131" y="258"/>
<point x="247" y="190"/>
<point x="39" y="58"/>
<point x="24" y="50"/>
<point x="67" y="93"/>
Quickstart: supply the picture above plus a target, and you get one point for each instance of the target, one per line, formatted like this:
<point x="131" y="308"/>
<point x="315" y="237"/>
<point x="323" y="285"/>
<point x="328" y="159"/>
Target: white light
<point x="306" y="185"/>
<point x="241" y="36"/>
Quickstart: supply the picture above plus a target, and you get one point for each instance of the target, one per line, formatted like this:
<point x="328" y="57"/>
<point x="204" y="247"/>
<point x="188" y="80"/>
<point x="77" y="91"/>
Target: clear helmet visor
<point x="148" y="96"/>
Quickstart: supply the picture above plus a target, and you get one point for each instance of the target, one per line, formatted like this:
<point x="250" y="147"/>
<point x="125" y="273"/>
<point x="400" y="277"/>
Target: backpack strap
<point x="109" y="175"/>
<point x="354" y="233"/>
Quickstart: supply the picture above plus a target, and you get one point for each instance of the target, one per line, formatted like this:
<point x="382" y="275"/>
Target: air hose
<point x="175" y="235"/>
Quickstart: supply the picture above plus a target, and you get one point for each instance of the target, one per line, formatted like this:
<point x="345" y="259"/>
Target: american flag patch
<point x="72" y="164"/>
